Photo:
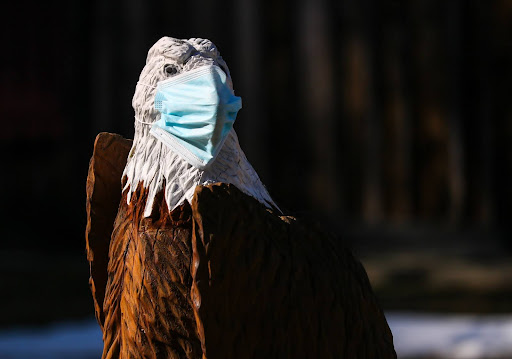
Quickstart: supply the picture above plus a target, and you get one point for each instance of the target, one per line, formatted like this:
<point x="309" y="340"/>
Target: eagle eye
<point x="170" y="70"/>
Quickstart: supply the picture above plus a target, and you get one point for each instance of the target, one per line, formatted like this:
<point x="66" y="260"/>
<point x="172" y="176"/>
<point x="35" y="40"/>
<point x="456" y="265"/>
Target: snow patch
<point x="451" y="336"/>
<point x="415" y="335"/>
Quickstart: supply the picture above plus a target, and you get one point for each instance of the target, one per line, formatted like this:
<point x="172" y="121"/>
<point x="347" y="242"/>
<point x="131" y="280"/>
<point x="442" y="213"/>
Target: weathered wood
<point x="103" y="195"/>
<point x="148" y="312"/>
<point x="223" y="278"/>
<point x="266" y="286"/>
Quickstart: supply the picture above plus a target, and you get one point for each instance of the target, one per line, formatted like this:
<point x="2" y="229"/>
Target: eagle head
<point x="169" y="57"/>
<point x="157" y="167"/>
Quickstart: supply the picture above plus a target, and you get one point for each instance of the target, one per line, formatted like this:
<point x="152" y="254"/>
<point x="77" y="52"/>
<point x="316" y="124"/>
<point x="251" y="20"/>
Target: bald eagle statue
<point x="189" y="255"/>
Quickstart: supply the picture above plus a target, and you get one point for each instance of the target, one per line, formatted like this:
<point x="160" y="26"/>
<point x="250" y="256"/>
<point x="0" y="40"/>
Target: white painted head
<point x="154" y="164"/>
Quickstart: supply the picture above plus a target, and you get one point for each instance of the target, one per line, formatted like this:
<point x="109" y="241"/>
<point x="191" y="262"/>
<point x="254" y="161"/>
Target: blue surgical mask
<point x="198" y="110"/>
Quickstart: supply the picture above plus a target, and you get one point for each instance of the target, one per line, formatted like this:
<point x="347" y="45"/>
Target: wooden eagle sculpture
<point x="194" y="260"/>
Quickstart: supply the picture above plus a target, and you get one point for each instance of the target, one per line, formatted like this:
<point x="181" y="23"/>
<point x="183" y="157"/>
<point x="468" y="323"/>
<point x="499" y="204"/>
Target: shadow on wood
<point x="226" y="278"/>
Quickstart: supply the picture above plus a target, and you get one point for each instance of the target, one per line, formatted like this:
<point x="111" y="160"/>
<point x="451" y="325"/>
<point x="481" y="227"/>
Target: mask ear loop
<point x="136" y="118"/>
<point x="147" y="85"/>
<point x="143" y="122"/>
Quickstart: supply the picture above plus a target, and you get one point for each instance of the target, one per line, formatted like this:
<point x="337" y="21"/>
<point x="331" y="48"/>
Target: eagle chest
<point x="147" y="302"/>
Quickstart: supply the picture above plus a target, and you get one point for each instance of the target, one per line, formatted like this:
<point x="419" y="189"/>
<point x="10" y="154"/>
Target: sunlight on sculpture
<point x="190" y="257"/>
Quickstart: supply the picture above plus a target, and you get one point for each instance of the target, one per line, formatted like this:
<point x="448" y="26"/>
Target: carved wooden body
<point x="225" y="277"/>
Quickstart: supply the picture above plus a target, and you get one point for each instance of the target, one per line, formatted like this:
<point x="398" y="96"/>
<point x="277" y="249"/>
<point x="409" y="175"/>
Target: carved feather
<point x="223" y="278"/>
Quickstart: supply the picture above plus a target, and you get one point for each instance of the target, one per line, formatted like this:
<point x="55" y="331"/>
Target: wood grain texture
<point x="266" y="286"/>
<point x="103" y="194"/>
<point x="223" y="278"/>
<point x="148" y="312"/>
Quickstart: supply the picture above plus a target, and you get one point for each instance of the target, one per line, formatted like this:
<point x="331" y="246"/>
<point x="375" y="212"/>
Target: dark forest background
<point x="375" y="117"/>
